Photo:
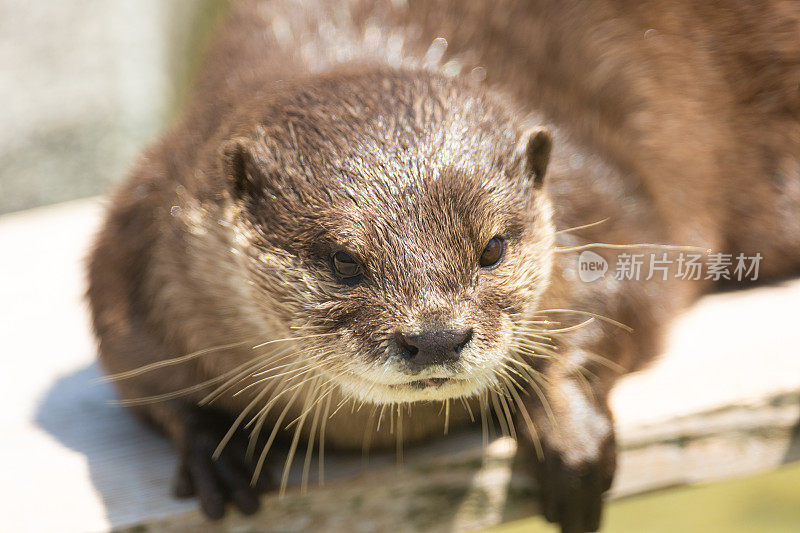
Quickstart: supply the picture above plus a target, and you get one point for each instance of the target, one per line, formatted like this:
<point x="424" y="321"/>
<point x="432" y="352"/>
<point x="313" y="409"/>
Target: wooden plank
<point x="724" y="400"/>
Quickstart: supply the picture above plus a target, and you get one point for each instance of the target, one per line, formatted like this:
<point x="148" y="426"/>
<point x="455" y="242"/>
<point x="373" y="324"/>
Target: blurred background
<point x="85" y="84"/>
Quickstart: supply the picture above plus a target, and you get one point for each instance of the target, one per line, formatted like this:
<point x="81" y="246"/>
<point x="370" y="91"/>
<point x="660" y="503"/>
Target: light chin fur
<point x="382" y="394"/>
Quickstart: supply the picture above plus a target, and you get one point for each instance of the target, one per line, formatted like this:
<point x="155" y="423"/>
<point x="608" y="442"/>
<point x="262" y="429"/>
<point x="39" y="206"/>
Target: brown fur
<point x="677" y="122"/>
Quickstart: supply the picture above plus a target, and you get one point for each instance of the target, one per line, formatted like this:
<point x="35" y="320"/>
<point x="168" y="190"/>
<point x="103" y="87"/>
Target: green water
<point x="768" y="503"/>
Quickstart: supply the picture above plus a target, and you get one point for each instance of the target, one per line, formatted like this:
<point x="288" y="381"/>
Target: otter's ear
<point x="537" y="154"/>
<point x="243" y="163"/>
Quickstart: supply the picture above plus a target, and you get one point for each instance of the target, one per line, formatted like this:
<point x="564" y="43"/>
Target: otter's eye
<point x="346" y="266"/>
<point x="493" y="252"/>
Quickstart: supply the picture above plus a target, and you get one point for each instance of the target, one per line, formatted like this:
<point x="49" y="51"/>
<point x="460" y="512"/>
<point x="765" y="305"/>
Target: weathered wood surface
<point x="723" y="401"/>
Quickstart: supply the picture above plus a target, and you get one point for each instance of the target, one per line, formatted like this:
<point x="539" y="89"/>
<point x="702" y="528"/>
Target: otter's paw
<point x="572" y="491"/>
<point x="216" y="481"/>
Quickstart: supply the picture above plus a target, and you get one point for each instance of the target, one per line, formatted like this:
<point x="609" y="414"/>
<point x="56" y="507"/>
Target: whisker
<point x="193" y="388"/>
<point x="399" y="434"/>
<point x="237" y="422"/>
<point x="498" y="410"/>
<point x="628" y="246"/>
<point x="587" y="313"/>
<point x="535" y="377"/>
<point x="315" y="385"/>
<point x="585" y="226"/>
<point x="380" y="417"/>
<point x="465" y="403"/>
<point x="572" y="328"/>
<point x="325" y="419"/>
<point x="291" y="372"/>
<point x="169" y="362"/>
<point x="264" y="410"/>
<point x="259" y="419"/>
<point x="507" y="411"/>
<point x="484" y="426"/>
<point x="273" y="341"/>
<point x="585" y="382"/>
<point x="341" y="404"/>
<point x="310" y="444"/>
<point x="298" y="358"/>
<point x="528" y="422"/>
<point x="272" y="435"/>
<point x="229" y="384"/>
<point x="310" y="398"/>
<point x="605" y="361"/>
<point x="366" y="440"/>
<point x="446" y="415"/>
<point x="199" y="353"/>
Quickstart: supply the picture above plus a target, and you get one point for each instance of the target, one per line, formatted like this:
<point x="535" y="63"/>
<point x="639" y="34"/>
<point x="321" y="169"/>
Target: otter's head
<point x="396" y="225"/>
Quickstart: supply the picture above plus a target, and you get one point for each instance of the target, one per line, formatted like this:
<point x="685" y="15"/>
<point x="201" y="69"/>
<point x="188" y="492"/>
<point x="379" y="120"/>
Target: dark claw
<point x="237" y="481"/>
<point x="216" y="481"/>
<point x="207" y="485"/>
<point x="184" y="488"/>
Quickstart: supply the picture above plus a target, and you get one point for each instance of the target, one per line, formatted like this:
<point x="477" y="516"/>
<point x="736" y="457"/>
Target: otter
<point x="383" y="204"/>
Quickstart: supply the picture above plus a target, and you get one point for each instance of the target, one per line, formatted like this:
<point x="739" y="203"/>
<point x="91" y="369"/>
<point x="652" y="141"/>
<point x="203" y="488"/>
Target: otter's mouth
<point x="428" y="383"/>
<point x="425" y="389"/>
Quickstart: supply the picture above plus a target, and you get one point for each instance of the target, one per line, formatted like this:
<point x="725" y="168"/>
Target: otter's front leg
<point x="196" y="433"/>
<point x="575" y="456"/>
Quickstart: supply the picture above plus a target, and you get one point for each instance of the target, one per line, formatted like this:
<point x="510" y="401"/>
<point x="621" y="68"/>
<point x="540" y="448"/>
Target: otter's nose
<point x="434" y="347"/>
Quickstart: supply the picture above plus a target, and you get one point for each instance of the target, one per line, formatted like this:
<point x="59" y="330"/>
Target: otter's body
<point x="386" y="129"/>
